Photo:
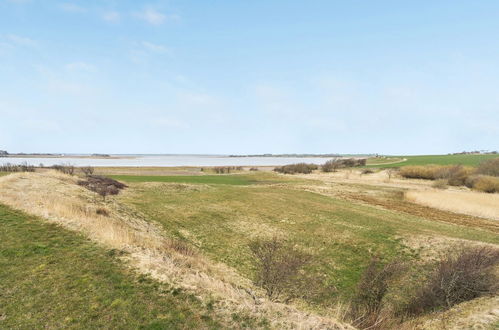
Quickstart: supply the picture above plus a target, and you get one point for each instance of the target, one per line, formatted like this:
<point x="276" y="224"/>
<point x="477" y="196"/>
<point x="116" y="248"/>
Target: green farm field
<point x="397" y="161"/>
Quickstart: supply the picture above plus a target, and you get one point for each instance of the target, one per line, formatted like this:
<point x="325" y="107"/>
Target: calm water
<point x="167" y="160"/>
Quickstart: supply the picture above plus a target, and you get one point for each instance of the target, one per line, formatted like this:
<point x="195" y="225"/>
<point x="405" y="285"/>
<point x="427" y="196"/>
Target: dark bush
<point x="102" y="185"/>
<point x="366" y="309"/>
<point x="102" y="211"/>
<point x="278" y="266"/>
<point x="24" y="167"/>
<point x="254" y="169"/>
<point x="367" y="171"/>
<point x="489" y="167"/>
<point x="226" y="169"/>
<point x="330" y="166"/>
<point x="87" y="170"/>
<point x="64" y="168"/>
<point x="459" y="276"/>
<point x="296" y="168"/>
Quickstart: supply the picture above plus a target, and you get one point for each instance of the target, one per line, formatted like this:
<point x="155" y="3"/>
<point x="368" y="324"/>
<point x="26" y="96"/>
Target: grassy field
<point x="53" y="278"/>
<point x="469" y="160"/>
<point x="235" y="180"/>
<point x="221" y="220"/>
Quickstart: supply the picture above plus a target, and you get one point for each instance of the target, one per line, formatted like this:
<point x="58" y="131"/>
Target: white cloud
<point x="112" y="17"/>
<point x="21" y="41"/>
<point x="72" y="8"/>
<point x="155" y="17"/>
<point x="80" y="66"/>
<point x="156" y="48"/>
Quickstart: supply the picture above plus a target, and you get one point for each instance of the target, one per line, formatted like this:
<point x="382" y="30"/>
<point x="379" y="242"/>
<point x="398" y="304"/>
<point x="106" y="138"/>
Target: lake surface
<point x="165" y="160"/>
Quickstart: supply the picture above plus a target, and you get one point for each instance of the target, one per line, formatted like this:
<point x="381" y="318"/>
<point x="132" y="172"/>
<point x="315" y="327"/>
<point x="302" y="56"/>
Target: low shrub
<point x="226" y="169"/>
<point x="278" y="266"/>
<point x="64" y="168"/>
<point x="485" y="183"/>
<point x="366" y="308"/>
<point x="430" y="172"/>
<point x="367" y="171"/>
<point x="459" y="276"/>
<point x="489" y="167"/>
<point x="102" y="211"/>
<point x="334" y="164"/>
<point x="87" y="170"/>
<point x="101" y="185"/>
<point x="254" y="169"/>
<point x="24" y="167"/>
<point x="440" y="184"/>
<point x="296" y="168"/>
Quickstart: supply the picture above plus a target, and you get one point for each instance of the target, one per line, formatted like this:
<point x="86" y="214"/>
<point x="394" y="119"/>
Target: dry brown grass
<point x="466" y="202"/>
<point x="57" y="198"/>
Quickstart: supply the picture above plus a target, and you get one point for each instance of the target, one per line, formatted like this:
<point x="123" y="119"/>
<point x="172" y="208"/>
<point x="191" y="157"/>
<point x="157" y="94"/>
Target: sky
<point x="249" y="77"/>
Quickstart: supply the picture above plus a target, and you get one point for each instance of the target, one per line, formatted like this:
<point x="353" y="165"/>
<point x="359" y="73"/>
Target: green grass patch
<point x="468" y="160"/>
<point x="342" y="236"/>
<point x="53" y="278"/>
<point x="225" y="179"/>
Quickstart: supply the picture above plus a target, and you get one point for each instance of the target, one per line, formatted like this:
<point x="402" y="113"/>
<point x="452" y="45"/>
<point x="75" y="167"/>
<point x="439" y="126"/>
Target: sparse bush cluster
<point x="334" y="164"/>
<point x="24" y="167"/>
<point x="64" y="168"/>
<point x="101" y="185"/>
<point x="484" y="178"/>
<point x="296" y="168"/>
<point x="459" y="276"/>
<point x="278" y="266"/>
<point x="226" y="169"/>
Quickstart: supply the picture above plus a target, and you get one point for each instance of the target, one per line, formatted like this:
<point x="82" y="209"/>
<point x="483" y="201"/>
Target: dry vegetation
<point x="59" y="199"/>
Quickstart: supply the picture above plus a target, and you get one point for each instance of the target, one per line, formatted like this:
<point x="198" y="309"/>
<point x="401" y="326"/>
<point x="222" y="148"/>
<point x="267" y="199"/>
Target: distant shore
<point x="96" y="156"/>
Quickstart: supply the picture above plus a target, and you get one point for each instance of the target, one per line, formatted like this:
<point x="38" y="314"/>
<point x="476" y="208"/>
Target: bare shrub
<point x="367" y="171"/>
<point x="489" y="167"/>
<point x="226" y="169"/>
<point x="101" y="185"/>
<point x="278" y="266"/>
<point x="429" y="172"/>
<point x="459" y="276"/>
<point x="102" y="211"/>
<point x="331" y="165"/>
<point x="24" y="167"/>
<point x="367" y="308"/>
<point x="440" y="184"/>
<point x="254" y="169"/>
<point x="456" y="175"/>
<point x="296" y="168"/>
<point x="64" y="168"/>
<point x="87" y="170"/>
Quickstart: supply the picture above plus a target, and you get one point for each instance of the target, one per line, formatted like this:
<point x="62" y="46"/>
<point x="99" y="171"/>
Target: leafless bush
<point x="367" y="171"/>
<point x="87" y="170"/>
<point x="101" y="185"/>
<point x="484" y="183"/>
<point x="254" y="169"/>
<point x="489" y="167"/>
<point x="102" y="211"/>
<point x="226" y="169"/>
<point x="64" y="168"/>
<point x="367" y="308"/>
<point x="459" y="276"/>
<point x="330" y="166"/>
<point x="296" y="168"/>
<point x="24" y="167"/>
<point x="278" y="267"/>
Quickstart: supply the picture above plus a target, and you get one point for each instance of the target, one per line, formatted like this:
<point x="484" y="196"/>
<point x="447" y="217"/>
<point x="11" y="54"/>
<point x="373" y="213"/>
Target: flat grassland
<point x="222" y="217"/>
<point x="396" y="161"/>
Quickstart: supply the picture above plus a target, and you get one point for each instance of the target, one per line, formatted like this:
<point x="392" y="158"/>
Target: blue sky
<point x="238" y="77"/>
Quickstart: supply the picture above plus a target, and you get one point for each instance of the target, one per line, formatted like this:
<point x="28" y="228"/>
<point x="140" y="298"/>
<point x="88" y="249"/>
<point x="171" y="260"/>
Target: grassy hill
<point x="54" y="278"/>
